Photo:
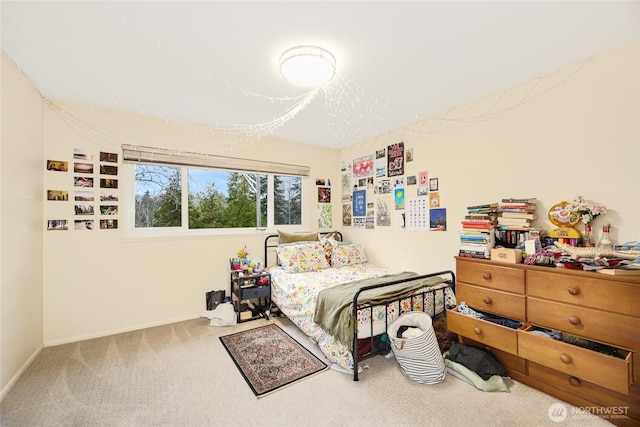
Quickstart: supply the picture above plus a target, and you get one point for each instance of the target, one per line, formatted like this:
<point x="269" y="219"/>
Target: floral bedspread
<point x="295" y="294"/>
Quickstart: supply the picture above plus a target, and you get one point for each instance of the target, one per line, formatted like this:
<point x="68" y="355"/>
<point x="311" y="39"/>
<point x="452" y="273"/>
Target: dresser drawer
<point x="610" y="328"/>
<point x="593" y="292"/>
<point x="601" y="369"/>
<point x="623" y="404"/>
<point x="493" y="276"/>
<point x="492" y="301"/>
<point x="481" y="331"/>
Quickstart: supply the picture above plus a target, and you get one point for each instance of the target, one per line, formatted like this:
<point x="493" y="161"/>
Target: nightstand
<point x="251" y="294"/>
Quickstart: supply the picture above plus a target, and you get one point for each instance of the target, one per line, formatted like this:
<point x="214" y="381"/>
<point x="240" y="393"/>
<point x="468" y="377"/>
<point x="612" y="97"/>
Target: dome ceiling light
<point x="307" y="66"/>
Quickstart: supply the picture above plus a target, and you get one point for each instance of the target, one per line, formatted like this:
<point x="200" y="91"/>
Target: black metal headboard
<point x="272" y="240"/>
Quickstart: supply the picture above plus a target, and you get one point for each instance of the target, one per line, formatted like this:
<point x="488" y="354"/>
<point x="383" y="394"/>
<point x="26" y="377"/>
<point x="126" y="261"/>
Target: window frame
<point x="129" y="193"/>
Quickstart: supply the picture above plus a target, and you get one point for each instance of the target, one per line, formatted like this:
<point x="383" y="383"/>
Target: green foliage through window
<point x="214" y="199"/>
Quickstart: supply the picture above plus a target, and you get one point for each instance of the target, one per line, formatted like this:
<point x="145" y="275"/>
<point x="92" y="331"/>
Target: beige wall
<point x="581" y="135"/>
<point x="101" y="282"/>
<point x="21" y="173"/>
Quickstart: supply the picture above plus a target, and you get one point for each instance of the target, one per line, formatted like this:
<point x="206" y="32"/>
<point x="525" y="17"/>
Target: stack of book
<point x="477" y="234"/>
<point x="515" y="221"/>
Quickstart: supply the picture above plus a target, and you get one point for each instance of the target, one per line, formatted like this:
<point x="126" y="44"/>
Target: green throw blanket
<point x="333" y="310"/>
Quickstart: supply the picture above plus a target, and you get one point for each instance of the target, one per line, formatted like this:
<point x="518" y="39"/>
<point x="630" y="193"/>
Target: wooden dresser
<point x="603" y="309"/>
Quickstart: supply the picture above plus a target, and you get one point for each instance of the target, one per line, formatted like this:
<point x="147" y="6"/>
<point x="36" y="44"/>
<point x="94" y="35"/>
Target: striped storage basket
<point x="419" y="357"/>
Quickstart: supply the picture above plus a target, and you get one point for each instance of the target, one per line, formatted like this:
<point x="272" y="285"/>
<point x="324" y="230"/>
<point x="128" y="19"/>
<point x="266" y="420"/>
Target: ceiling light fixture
<point x="307" y="66"/>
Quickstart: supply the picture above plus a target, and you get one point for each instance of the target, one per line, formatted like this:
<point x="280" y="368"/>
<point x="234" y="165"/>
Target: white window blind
<point x="138" y="154"/>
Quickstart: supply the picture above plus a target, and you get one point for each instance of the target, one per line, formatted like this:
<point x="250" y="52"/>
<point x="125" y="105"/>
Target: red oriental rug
<point x="269" y="359"/>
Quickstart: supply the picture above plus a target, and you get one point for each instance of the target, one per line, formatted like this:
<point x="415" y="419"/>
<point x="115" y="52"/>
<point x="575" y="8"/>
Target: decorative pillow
<point x="330" y="235"/>
<point x="302" y="257"/>
<point x="284" y="237"/>
<point x="349" y="254"/>
<point x="328" y="242"/>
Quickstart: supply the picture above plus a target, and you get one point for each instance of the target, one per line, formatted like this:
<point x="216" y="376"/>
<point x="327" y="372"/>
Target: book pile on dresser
<point x="477" y="234"/>
<point x="514" y="223"/>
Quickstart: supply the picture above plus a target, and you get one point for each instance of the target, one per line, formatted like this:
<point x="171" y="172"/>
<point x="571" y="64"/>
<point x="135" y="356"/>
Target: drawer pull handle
<point x="574" y="320"/>
<point x="487" y="300"/>
<point x="573" y="291"/>
<point x="564" y="358"/>
<point x="477" y="331"/>
<point x="574" y="381"/>
<point x="486" y="275"/>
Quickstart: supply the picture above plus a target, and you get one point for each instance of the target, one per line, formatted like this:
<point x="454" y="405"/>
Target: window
<point x="180" y="197"/>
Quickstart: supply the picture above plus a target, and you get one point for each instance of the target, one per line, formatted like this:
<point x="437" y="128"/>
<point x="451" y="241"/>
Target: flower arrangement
<point x="587" y="210"/>
<point x="243" y="252"/>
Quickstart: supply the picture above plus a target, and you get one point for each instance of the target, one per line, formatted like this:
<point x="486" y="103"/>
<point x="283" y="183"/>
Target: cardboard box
<point x="512" y="256"/>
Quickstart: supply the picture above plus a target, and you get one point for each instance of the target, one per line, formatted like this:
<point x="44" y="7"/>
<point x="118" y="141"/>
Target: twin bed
<point x="329" y="290"/>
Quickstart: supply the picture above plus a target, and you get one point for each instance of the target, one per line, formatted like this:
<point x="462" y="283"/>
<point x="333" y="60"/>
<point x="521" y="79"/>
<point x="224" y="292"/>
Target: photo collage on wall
<point x="376" y="192"/>
<point x="93" y="189"/>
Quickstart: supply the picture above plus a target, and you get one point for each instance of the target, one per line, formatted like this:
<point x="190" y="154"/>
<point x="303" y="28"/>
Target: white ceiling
<point x="215" y="63"/>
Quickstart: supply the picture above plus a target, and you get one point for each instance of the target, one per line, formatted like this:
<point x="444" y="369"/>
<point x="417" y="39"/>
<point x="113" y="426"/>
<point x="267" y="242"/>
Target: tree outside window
<point x="213" y="199"/>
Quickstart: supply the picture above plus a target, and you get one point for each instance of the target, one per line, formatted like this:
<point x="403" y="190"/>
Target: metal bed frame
<point x="425" y="294"/>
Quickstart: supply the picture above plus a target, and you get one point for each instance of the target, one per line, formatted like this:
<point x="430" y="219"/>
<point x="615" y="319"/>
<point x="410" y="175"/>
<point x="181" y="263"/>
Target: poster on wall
<point x="423" y="178"/>
<point x="84" y="196"/>
<point x="324" y="195"/>
<point x="80" y="154"/>
<point x="434" y="200"/>
<point x="57" y="166"/>
<point x="58" y="195"/>
<point x="384" y="186"/>
<point x="395" y="159"/>
<point x="108" y="209"/>
<point x="369" y="223"/>
<point x="83" y="168"/>
<point x="83" y="224"/>
<point x="83" y="209"/>
<point x="359" y="203"/>
<point x="346" y="183"/>
<point x="381" y="168"/>
<point x="108" y="224"/>
<point x="417" y="214"/>
<point x="325" y="215"/>
<point x="82" y="181"/>
<point x="398" y="196"/>
<point x="108" y="157"/>
<point x="363" y="166"/>
<point x="383" y="211"/>
<point x="58" y="224"/>
<point x="108" y="170"/>
<point x="399" y="219"/>
<point x="359" y="222"/>
<point x="433" y="184"/>
<point x="346" y="214"/>
<point x="108" y="183"/>
<point x="438" y="219"/>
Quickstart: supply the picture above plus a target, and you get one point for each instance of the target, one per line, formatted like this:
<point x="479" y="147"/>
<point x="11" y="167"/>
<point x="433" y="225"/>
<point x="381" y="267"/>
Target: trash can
<point x="419" y="356"/>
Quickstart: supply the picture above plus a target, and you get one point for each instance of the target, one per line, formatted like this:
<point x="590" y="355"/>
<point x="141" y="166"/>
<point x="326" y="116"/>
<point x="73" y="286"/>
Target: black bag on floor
<point x="478" y="360"/>
<point x="213" y="298"/>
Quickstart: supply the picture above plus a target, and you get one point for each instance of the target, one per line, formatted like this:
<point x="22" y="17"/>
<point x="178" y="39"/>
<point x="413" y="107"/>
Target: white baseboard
<point x="119" y="331"/>
<point x="23" y="368"/>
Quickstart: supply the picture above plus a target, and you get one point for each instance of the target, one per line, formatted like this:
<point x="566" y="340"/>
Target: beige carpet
<point x="181" y="375"/>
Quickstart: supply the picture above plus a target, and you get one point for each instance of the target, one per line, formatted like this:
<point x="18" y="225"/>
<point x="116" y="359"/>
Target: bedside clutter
<point x="600" y="310"/>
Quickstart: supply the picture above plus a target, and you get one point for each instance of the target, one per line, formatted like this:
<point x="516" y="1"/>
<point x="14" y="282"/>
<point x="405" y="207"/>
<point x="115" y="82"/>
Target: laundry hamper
<point x="419" y="357"/>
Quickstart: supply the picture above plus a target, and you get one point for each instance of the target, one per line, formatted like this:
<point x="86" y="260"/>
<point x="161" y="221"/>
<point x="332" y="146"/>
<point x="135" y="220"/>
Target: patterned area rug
<point x="270" y="359"/>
